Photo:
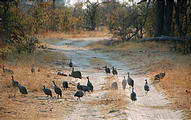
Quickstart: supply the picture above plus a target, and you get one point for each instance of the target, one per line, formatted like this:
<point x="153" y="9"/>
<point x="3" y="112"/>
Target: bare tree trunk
<point x="53" y="5"/>
<point x="168" y="17"/>
<point x="185" y="17"/>
<point x="178" y="16"/>
<point x="159" y="17"/>
<point x="189" y="4"/>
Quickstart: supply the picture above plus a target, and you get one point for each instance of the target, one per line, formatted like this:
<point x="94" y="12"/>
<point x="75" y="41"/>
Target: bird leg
<point x="15" y="93"/>
<point x="130" y="87"/>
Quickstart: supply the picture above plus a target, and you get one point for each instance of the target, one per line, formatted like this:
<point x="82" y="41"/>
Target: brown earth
<point x="103" y="103"/>
<point x="154" y="58"/>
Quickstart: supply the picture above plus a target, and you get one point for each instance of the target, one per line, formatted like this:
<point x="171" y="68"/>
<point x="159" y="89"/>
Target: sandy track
<point x="153" y="106"/>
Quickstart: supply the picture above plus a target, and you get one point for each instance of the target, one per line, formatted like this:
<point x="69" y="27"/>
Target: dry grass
<point x="43" y="58"/>
<point x="131" y="46"/>
<point x="153" y="58"/>
<point x="102" y="32"/>
<point x="35" y="105"/>
<point x="176" y="83"/>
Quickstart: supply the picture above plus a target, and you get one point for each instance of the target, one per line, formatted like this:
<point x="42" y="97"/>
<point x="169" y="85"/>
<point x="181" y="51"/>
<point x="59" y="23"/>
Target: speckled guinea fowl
<point x="133" y="95"/>
<point x="57" y="90"/>
<point x="89" y="84"/>
<point x="114" y="71"/>
<point x="83" y="88"/>
<point x="130" y="81"/>
<point x="124" y="83"/>
<point x="79" y="94"/>
<point x="107" y="70"/>
<point x="65" y="84"/>
<point x="47" y="91"/>
<point x="146" y="86"/>
<point x="22" y="89"/>
<point x="114" y="86"/>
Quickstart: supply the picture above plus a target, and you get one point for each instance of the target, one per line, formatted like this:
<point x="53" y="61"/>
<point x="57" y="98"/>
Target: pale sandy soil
<point x="153" y="106"/>
<point x="103" y="103"/>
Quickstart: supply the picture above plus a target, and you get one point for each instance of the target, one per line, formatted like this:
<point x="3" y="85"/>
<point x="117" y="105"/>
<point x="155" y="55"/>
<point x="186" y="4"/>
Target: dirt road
<point x="104" y="103"/>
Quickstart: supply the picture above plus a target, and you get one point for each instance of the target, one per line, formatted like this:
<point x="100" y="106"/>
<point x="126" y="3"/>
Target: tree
<point x="54" y="4"/>
<point x="159" y="17"/>
<point x="168" y="12"/>
<point x="91" y="15"/>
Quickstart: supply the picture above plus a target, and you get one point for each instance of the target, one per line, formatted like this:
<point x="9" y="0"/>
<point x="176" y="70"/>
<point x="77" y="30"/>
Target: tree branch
<point x="146" y="14"/>
<point x="166" y="38"/>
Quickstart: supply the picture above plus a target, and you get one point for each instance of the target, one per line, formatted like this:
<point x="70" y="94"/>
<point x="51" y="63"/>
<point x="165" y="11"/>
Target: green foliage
<point x="38" y="18"/>
<point x="149" y="25"/>
<point x="125" y="21"/>
<point x="20" y="24"/>
<point x="91" y="16"/>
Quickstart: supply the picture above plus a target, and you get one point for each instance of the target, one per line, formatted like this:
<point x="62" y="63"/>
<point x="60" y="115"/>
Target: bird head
<point x="88" y="77"/>
<point x="54" y="82"/>
<point x="128" y="73"/>
<point x="12" y="77"/>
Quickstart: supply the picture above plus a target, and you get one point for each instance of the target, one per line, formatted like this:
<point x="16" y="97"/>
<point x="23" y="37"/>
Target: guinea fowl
<point x="89" y="84"/>
<point x="159" y="76"/>
<point x="79" y="94"/>
<point x="107" y="70"/>
<point x="133" y="95"/>
<point x="61" y="73"/>
<point x="146" y="87"/>
<point x="70" y="64"/>
<point x="7" y="70"/>
<point x="22" y="89"/>
<point x="114" y="71"/>
<point x="162" y="75"/>
<point x="15" y="84"/>
<point x="33" y="69"/>
<point x="76" y="74"/>
<point x="47" y="91"/>
<point x="114" y="86"/>
<point x="83" y="88"/>
<point x="124" y="83"/>
<point x="57" y="90"/>
<point x="130" y="81"/>
<point x="65" y="85"/>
